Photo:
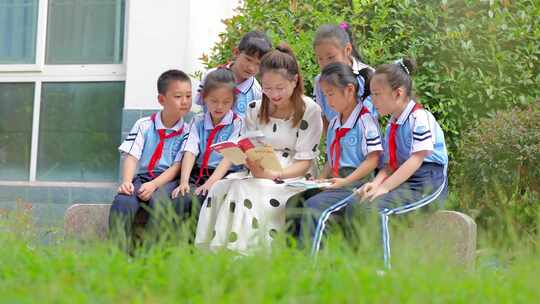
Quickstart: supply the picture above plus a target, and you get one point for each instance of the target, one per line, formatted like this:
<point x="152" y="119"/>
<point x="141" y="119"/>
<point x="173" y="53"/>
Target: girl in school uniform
<point x="415" y="157"/>
<point x="202" y="167"/>
<point x="245" y="66"/>
<point x="353" y="145"/>
<point x="335" y="43"/>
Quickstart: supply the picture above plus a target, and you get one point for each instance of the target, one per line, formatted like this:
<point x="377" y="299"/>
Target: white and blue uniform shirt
<point x="200" y="130"/>
<point x="246" y="91"/>
<point x="143" y="139"/>
<point x="320" y="98"/>
<point x="362" y="138"/>
<point x="417" y="131"/>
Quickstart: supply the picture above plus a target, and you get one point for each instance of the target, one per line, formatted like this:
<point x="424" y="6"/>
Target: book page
<point x="267" y="157"/>
<point x="234" y="154"/>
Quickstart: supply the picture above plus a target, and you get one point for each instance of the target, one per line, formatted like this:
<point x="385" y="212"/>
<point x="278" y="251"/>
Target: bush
<point x="498" y="169"/>
<point x="474" y="56"/>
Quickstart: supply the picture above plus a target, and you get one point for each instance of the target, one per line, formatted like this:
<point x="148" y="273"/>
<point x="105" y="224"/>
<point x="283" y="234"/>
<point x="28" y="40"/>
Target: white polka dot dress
<point x="245" y="214"/>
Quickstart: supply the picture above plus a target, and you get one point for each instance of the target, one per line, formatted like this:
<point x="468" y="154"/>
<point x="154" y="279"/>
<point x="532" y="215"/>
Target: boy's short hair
<point x="255" y="43"/>
<point x="166" y="77"/>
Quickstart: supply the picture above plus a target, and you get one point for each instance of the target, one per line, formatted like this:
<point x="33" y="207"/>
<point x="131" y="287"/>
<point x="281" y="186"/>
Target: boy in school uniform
<point x="152" y="146"/>
<point x="247" y="59"/>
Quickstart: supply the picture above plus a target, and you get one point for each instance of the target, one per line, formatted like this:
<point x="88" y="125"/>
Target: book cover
<point x="251" y="145"/>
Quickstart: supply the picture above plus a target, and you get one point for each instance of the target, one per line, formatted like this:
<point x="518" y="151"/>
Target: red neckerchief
<point x="156" y="156"/>
<point x="392" y="146"/>
<point x="207" y="150"/>
<point x="335" y="147"/>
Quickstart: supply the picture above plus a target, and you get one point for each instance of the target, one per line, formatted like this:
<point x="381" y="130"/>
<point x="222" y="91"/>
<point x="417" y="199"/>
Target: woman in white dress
<point x="244" y="214"/>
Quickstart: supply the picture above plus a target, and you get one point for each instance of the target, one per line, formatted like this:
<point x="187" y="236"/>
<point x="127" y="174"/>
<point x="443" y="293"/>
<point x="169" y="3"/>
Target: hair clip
<point x="344" y="25"/>
<point x="402" y="65"/>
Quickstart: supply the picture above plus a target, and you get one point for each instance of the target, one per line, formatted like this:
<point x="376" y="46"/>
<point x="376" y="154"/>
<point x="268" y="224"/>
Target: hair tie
<point x="402" y="65"/>
<point x="344" y="25"/>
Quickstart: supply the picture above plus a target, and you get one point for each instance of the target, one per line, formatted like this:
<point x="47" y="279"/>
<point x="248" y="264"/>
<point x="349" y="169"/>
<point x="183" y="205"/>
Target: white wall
<point x="166" y="34"/>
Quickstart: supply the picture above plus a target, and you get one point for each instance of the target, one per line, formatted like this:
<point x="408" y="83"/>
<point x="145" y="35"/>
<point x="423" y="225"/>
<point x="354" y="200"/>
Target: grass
<point x="64" y="271"/>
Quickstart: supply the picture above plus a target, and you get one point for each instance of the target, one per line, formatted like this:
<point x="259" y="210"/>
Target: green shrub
<point x="498" y="173"/>
<point x="474" y="56"/>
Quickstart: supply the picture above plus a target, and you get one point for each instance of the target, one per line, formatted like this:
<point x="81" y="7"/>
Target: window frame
<point x="39" y="73"/>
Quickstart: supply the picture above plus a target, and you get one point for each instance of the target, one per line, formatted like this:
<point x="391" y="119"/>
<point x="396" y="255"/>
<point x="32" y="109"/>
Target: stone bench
<point x="87" y="221"/>
<point x="454" y="230"/>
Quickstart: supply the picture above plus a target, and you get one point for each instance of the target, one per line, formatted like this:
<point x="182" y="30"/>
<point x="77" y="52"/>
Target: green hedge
<point x="497" y="173"/>
<point x="474" y="56"/>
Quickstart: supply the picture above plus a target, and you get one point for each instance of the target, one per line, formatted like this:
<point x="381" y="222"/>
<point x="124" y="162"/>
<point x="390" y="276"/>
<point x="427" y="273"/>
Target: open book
<point x="307" y="184"/>
<point x="249" y="145"/>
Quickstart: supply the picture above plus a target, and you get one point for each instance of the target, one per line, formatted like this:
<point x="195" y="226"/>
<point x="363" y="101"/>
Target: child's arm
<point x="325" y="171"/>
<point x="365" y="168"/>
<point x="381" y="176"/>
<point x="148" y="188"/>
<point x="188" y="161"/>
<point x="325" y="125"/>
<point x="128" y="172"/>
<point x="218" y="174"/>
<point x="403" y="173"/>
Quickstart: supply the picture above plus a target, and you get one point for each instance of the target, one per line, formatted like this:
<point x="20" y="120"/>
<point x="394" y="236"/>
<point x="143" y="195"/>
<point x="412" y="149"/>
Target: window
<point x="84" y="31"/>
<point x="79" y="131"/>
<point x="16" y="106"/>
<point x="18" y="27"/>
<point x="61" y="89"/>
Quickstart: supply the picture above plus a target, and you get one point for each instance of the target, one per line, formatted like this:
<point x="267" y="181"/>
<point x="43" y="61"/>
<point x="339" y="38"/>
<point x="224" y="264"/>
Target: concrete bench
<point x="87" y="221"/>
<point x="450" y="229"/>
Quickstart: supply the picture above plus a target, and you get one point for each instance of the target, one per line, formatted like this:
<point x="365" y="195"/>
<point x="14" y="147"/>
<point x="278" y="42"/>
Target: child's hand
<point x="203" y="190"/>
<point x="183" y="189"/>
<point x="146" y="191"/>
<point x="126" y="188"/>
<point x="338" y="182"/>
<point x="321" y="180"/>
<point x="362" y="191"/>
<point x="375" y="192"/>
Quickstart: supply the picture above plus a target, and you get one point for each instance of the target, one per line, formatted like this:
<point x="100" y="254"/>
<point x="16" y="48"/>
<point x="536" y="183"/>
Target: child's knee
<point x="124" y="204"/>
<point x="315" y="204"/>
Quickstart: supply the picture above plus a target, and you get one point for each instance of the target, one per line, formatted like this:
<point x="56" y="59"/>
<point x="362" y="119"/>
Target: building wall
<point x="171" y="35"/>
<point x="158" y="35"/>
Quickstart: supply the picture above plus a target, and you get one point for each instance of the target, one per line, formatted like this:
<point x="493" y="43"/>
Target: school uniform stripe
<point x="138" y="130"/>
<point x="373" y="139"/>
<point x="385" y="213"/>
<point x="423" y="202"/>
<point x="385" y="239"/>
<point x="421" y="138"/>
<point x="421" y="133"/>
<point x="321" y="223"/>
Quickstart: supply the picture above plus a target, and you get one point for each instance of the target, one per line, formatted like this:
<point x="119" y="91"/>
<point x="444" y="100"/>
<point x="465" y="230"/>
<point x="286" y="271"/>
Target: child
<point x="152" y="145"/>
<point x="353" y="144"/>
<point x="335" y="43"/>
<point x="201" y="167"/>
<point x="247" y="59"/>
<point x="415" y="158"/>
